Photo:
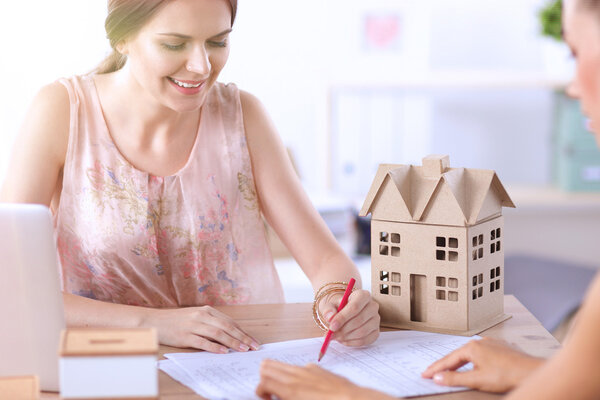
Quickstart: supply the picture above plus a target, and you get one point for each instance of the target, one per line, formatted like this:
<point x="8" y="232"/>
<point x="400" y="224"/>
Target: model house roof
<point x="434" y="193"/>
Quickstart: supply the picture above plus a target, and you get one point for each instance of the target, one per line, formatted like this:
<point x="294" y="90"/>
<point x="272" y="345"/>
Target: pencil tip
<point x="320" y="356"/>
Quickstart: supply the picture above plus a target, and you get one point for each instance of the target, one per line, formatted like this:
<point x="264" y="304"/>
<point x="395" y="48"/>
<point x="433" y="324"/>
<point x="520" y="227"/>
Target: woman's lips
<point x="185" y="86"/>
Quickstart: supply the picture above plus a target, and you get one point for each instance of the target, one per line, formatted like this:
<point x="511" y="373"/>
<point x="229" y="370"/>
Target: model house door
<point x="418" y="298"/>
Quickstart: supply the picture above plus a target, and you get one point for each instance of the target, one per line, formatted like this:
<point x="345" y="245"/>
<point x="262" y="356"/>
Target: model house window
<point x="495" y="240"/>
<point x="442" y="284"/>
<point x="477" y="247"/>
<point x="385" y="289"/>
<point x="387" y="280"/>
<point x="446" y="246"/>
<point x="477" y="282"/>
<point x="384" y="276"/>
<point x="494" y="279"/>
<point x="389" y="244"/>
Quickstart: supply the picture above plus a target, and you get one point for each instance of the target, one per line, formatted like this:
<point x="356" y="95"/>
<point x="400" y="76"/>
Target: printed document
<point x="393" y="364"/>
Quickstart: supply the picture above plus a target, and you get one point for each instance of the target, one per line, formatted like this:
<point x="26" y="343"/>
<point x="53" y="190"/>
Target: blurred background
<point x="351" y="84"/>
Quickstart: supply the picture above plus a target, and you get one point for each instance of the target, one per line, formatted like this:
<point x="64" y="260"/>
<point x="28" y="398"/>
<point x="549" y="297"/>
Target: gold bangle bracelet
<point x="325" y="291"/>
<point x="336" y="283"/>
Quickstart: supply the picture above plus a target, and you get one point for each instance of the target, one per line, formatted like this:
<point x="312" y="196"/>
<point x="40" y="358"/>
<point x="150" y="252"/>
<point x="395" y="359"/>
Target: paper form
<point x="393" y="364"/>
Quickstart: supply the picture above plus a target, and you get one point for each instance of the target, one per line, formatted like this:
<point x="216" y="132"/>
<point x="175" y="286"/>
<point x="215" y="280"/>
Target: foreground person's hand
<point x="311" y="382"/>
<point x="497" y="367"/>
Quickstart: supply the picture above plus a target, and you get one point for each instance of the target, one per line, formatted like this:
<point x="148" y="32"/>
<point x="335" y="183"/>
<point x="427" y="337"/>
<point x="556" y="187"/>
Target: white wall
<point x="290" y="53"/>
<point x="42" y="41"/>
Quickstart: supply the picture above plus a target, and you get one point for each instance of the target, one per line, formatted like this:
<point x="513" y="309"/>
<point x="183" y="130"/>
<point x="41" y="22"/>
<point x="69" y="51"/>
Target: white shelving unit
<point x="459" y="79"/>
<point x="552" y="224"/>
<point x="477" y="117"/>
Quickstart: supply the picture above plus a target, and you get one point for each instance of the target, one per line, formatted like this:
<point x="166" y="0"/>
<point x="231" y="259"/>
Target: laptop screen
<point x="31" y="304"/>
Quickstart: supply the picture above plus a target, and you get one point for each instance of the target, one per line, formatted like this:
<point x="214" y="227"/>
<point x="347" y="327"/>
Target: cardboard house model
<point x="437" y="259"/>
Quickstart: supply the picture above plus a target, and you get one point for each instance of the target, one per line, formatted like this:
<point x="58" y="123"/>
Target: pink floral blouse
<point x="193" y="238"/>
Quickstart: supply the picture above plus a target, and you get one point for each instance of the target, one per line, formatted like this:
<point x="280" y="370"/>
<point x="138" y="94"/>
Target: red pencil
<point x="342" y="304"/>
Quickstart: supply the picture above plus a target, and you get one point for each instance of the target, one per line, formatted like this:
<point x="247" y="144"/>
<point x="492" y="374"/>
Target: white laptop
<point x="31" y="305"/>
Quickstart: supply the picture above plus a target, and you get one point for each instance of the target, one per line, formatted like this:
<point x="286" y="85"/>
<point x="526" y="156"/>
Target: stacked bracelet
<point x="325" y="292"/>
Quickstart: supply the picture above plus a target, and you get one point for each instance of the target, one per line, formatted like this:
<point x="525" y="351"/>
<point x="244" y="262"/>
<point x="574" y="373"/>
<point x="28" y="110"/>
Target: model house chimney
<point x="434" y="165"/>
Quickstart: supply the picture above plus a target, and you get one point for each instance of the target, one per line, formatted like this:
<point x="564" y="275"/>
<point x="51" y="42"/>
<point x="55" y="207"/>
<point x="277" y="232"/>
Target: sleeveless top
<point x="194" y="238"/>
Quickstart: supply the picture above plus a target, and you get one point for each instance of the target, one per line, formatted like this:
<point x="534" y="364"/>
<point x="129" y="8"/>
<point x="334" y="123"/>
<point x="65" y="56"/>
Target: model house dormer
<point x="437" y="261"/>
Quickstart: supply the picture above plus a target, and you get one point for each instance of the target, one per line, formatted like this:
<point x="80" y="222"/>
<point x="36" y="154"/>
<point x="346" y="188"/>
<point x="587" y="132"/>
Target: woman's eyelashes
<point x="572" y="53"/>
<point x="173" y="47"/>
<point x="181" y="46"/>
<point x="218" y="44"/>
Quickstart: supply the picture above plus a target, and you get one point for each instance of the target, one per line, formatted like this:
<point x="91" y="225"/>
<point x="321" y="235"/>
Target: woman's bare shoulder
<point x="52" y="99"/>
<point x="40" y="148"/>
<point x="256" y="117"/>
<point x="48" y="119"/>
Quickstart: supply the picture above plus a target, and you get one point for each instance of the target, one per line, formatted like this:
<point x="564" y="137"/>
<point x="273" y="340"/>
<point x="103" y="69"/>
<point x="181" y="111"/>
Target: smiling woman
<point x="159" y="176"/>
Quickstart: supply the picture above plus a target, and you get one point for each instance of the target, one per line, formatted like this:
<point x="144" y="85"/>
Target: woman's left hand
<point x="357" y="324"/>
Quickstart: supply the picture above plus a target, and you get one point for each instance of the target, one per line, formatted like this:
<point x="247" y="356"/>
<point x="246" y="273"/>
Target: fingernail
<point x="438" y="378"/>
<point x="255" y="346"/>
<point x="243" y="347"/>
<point x="334" y="326"/>
<point x="224" y="350"/>
<point x="329" y="315"/>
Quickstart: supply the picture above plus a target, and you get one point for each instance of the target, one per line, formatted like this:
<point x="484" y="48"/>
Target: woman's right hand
<point x="201" y="328"/>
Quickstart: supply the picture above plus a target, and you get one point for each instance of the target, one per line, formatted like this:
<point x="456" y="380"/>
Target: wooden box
<point x="19" y="387"/>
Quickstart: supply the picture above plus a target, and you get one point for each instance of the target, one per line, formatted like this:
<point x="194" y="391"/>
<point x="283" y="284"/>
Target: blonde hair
<point x="125" y="18"/>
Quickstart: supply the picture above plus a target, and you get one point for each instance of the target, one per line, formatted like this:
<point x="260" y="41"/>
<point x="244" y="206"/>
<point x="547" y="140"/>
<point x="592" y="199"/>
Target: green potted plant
<point x="550" y="19"/>
<point x="555" y="54"/>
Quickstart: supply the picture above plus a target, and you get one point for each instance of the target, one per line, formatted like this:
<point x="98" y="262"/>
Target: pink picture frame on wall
<point x="382" y="32"/>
